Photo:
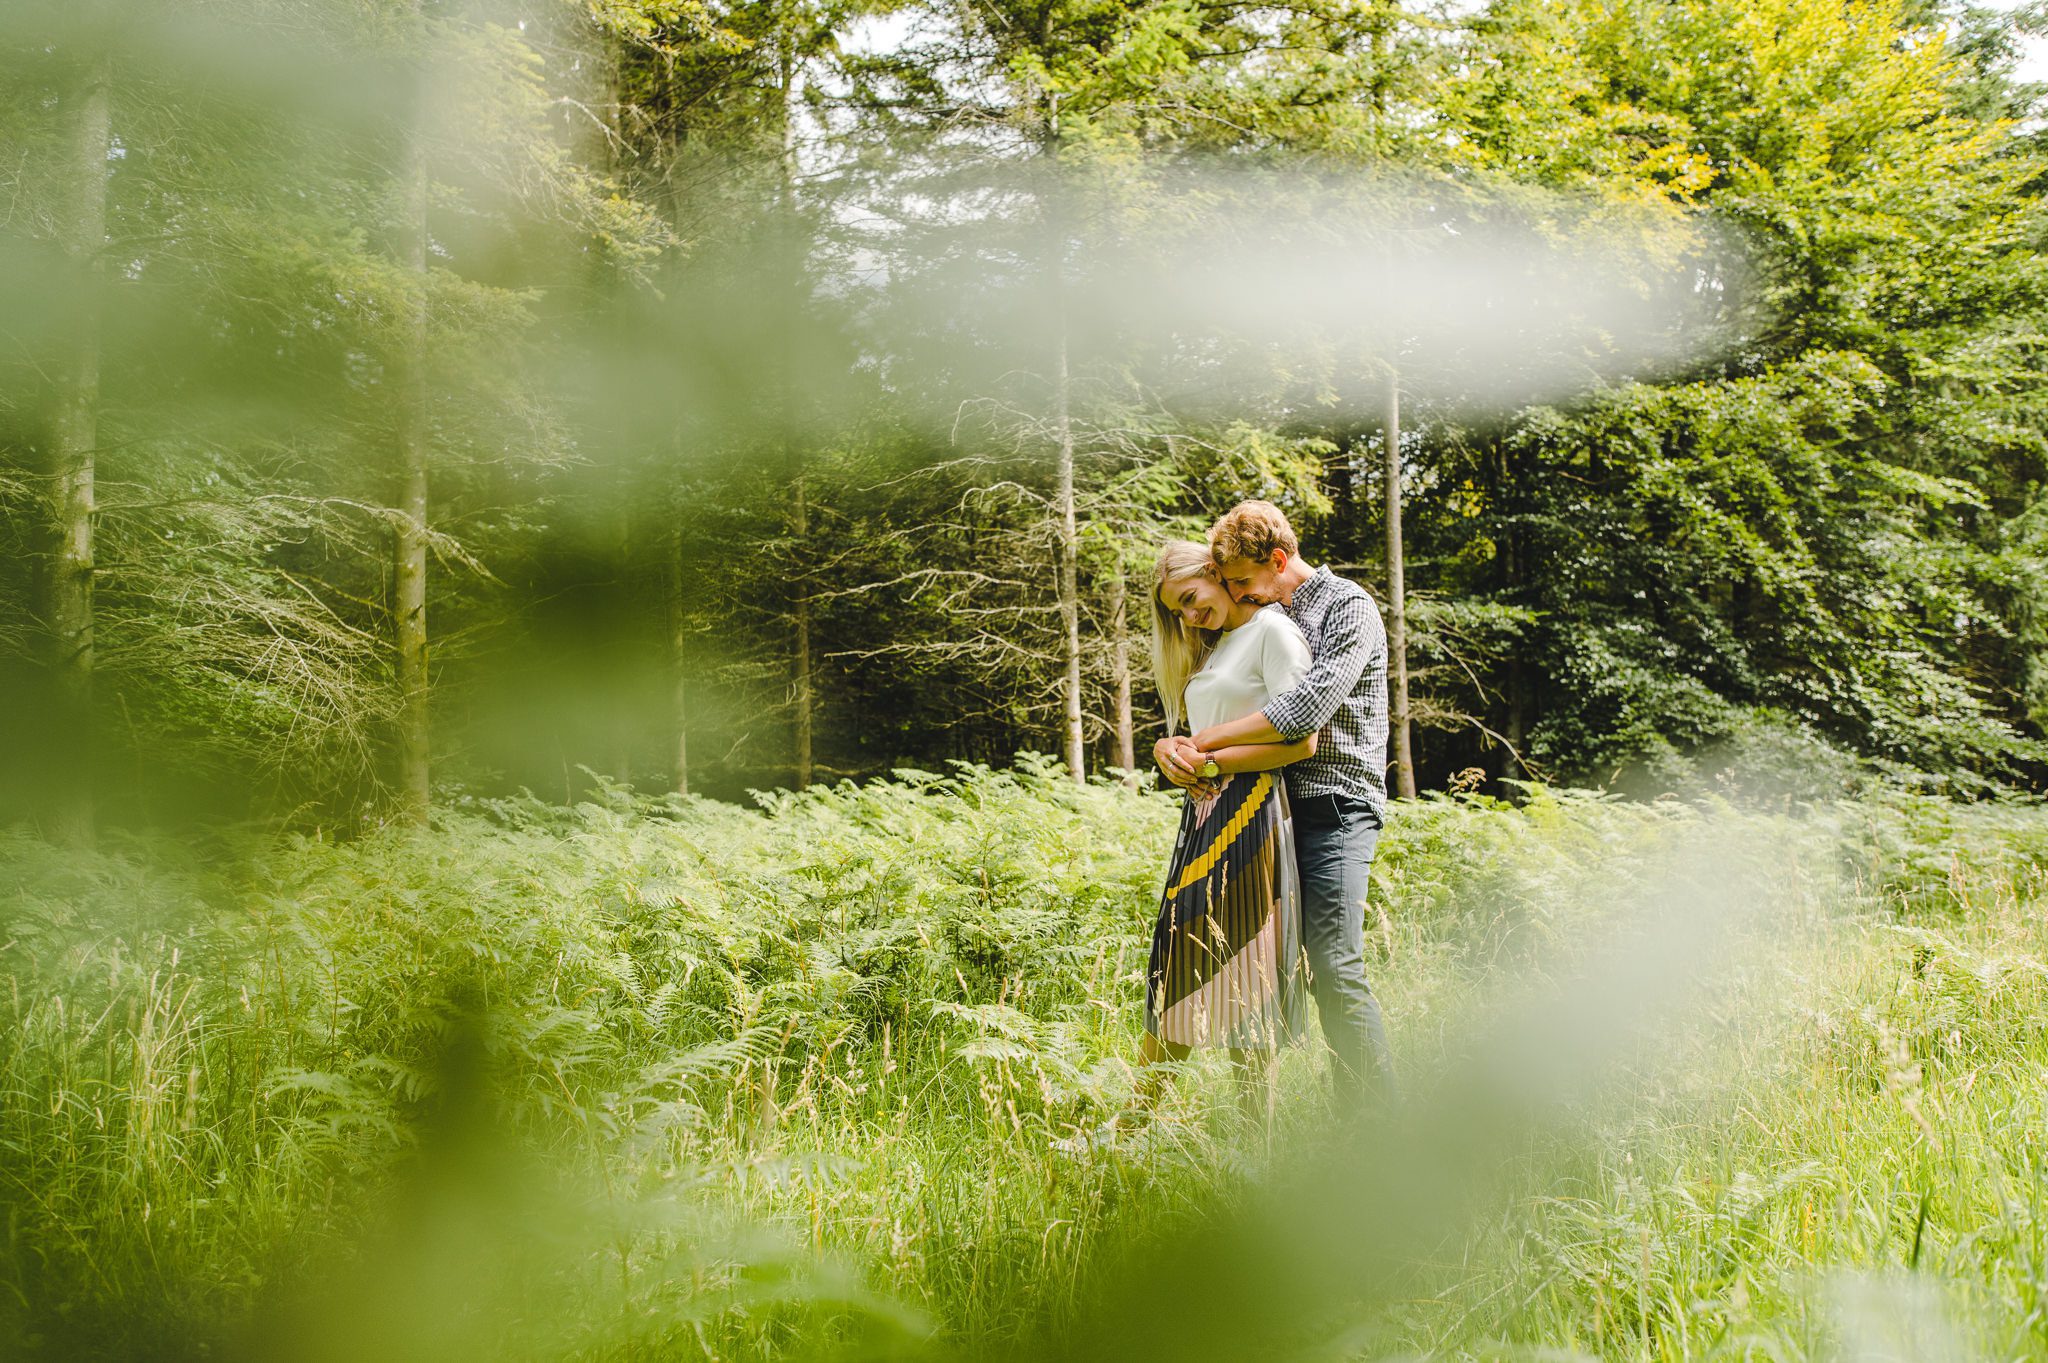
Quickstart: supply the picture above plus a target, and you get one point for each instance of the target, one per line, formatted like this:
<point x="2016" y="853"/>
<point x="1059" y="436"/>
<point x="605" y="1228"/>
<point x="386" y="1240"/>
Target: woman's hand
<point x="1180" y="761"/>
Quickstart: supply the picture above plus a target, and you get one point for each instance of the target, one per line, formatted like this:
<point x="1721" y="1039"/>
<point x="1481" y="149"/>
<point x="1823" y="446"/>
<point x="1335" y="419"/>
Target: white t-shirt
<point x="1260" y="659"/>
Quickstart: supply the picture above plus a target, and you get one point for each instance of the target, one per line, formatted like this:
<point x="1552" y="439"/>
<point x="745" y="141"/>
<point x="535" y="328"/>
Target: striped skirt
<point x="1227" y="966"/>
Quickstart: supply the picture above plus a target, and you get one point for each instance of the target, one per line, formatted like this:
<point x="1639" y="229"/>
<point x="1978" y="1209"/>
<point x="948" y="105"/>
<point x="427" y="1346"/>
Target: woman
<point x="1226" y="966"/>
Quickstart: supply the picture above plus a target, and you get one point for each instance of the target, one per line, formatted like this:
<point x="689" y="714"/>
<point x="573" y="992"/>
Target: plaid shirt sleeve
<point x="1349" y="635"/>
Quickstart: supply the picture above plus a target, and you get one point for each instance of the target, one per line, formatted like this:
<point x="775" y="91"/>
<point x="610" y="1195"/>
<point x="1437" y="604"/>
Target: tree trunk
<point x="409" y="538"/>
<point x="800" y="663"/>
<point x="600" y="141"/>
<point x="72" y="441"/>
<point x="1119" y="623"/>
<point x="1517" y="681"/>
<point x="1069" y="566"/>
<point x="678" y="658"/>
<point x="1068" y="555"/>
<point x="678" y="618"/>
<point x="1070" y="569"/>
<point x="1397" y="601"/>
<point x="802" y="667"/>
<point x="624" y="696"/>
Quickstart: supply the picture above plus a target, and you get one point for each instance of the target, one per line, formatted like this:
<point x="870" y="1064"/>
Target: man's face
<point x="1252" y="581"/>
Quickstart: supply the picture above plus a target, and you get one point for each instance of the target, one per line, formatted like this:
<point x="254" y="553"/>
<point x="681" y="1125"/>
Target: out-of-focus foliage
<point x="682" y="1078"/>
<point x="684" y="261"/>
<point x="251" y="307"/>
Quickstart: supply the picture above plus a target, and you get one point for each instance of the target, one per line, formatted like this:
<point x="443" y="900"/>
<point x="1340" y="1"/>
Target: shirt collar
<point x="1307" y="592"/>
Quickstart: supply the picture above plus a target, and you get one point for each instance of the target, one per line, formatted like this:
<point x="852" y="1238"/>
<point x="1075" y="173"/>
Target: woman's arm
<point x="1262" y="756"/>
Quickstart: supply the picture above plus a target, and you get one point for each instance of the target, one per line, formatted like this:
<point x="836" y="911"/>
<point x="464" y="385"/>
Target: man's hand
<point x="1179" y="759"/>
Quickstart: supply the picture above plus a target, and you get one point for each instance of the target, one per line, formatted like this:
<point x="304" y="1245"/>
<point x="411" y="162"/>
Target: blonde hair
<point x="1252" y="531"/>
<point x="1178" y="652"/>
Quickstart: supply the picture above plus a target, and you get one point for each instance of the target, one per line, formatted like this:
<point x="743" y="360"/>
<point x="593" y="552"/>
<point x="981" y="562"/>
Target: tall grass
<point x="687" y="1080"/>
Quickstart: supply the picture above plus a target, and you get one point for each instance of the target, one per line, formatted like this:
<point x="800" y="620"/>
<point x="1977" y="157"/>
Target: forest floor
<point x="686" y="1080"/>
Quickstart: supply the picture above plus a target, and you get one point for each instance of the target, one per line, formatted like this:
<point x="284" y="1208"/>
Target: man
<point x="1338" y="796"/>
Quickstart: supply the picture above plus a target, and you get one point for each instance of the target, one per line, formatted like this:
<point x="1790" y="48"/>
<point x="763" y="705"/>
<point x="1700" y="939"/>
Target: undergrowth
<point x="682" y="1079"/>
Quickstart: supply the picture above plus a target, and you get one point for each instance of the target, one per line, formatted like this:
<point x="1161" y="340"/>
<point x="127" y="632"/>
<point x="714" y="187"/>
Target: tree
<point x="1397" y="598"/>
<point x="1870" y="237"/>
<point x="160" y="617"/>
<point x="408" y="367"/>
<point x="72" y="440"/>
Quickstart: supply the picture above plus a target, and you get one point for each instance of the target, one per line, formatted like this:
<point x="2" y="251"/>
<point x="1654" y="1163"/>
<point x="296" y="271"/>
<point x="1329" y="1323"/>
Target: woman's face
<point x="1199" y="601"/>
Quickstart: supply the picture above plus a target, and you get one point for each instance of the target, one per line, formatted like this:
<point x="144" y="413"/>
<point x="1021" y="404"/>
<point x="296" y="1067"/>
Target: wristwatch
<point x="1210" y="771"/>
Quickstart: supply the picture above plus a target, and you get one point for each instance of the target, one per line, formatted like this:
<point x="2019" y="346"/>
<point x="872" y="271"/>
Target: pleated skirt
<point x="1226" y="966"/>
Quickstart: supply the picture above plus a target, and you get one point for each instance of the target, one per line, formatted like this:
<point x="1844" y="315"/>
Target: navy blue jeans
<point x="1334" y="840"/>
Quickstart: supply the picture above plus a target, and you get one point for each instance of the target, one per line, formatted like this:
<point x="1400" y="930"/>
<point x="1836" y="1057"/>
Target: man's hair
<point x="1252" y="530"/>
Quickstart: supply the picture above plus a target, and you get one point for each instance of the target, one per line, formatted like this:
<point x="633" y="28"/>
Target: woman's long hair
<point x="1177" y="651"/>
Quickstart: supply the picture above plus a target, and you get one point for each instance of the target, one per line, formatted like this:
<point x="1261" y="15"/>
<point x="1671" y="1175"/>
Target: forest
<point x="404" y="397"/>
<point x="577" y="717"/>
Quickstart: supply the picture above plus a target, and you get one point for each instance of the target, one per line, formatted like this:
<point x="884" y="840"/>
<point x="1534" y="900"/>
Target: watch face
<point x="1210" y="769"/>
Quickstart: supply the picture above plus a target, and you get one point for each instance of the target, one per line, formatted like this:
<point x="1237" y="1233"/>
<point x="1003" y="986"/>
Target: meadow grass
<point x="683" y="1080"/>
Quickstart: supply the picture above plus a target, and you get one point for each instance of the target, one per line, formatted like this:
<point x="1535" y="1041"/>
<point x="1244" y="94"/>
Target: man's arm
<point x="1238" y="757"/>
<point x="1253" y="728"/>
<point x="1352" y="636"/>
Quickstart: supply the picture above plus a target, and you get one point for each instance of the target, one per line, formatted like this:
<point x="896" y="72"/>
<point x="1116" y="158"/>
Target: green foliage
<point x="712" y="1043"/>
<point x="1754" y="546"/>
<point x="682" y="258"/>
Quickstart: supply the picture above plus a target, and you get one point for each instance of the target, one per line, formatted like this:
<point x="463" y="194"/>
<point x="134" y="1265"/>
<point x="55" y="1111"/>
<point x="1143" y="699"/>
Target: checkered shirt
<point x="1343" y="695"/>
